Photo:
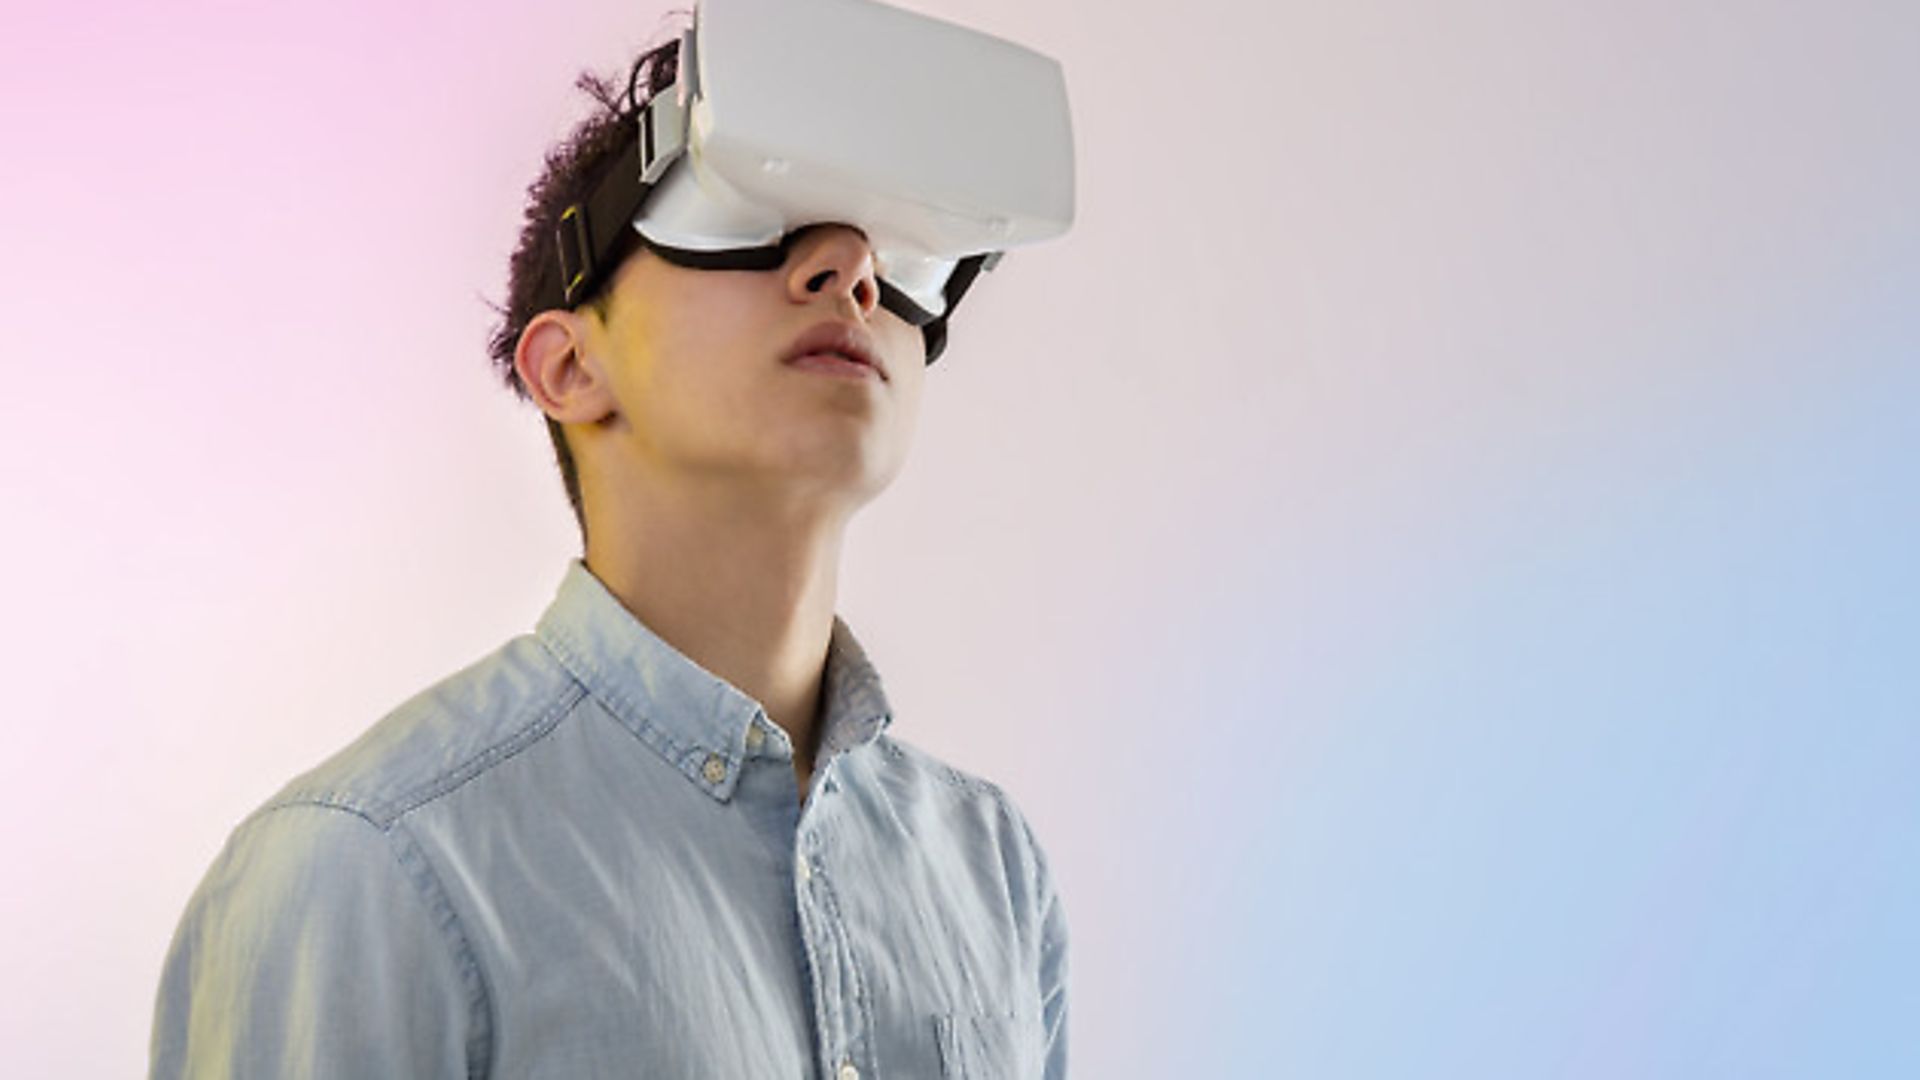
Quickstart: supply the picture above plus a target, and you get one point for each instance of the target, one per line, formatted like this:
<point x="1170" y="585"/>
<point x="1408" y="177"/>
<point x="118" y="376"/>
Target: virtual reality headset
<point x="944" y="146"/>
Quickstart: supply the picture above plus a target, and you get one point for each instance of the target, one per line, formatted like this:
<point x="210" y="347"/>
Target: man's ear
<point x="565" y="380"/>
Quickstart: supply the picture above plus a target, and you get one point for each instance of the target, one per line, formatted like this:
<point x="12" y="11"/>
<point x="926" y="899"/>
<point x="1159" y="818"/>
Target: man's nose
<point x="834" y="259"/>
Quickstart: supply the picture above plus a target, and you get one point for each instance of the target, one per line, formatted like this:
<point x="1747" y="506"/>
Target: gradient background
<point x="1433" y="552"/>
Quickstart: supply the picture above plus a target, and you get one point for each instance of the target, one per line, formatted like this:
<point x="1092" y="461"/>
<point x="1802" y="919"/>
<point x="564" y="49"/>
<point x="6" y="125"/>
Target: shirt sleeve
<point x="1053" y="963"/>
<point x="314" y="948"/>
<point x="1053" y="985"/>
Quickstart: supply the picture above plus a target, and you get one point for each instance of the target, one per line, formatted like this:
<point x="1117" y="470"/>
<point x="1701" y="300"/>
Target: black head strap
<point x="961" y="280"/>
<point x="592" y="237"/>
<point x="587" y="234"/>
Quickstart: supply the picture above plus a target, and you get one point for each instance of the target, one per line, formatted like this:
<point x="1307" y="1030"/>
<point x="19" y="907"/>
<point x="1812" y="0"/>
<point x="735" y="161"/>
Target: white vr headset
<point x="943" y="145"/>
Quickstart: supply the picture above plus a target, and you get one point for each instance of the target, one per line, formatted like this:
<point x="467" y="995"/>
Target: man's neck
<point x="751" y="601"/>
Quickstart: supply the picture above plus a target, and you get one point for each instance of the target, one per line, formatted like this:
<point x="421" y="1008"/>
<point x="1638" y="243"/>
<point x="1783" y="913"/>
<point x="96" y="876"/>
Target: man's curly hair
<point x="572" y="167"/>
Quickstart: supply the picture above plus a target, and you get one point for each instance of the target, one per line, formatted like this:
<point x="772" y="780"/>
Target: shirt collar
<point x="692" y="717"/>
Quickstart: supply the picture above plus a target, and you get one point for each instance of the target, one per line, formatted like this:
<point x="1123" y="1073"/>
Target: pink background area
<point x="1432" y="552"/>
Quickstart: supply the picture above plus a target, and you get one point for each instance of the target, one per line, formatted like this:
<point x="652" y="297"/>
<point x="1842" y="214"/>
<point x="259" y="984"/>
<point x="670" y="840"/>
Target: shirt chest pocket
<point x="986" y="1047"/>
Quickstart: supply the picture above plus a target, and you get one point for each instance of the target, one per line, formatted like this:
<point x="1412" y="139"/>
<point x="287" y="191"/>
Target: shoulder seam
<point x="383" y="815"/>
<point x="570" y="695"/>
<point x="942" y="771"/>
<point x="412" y="863"/>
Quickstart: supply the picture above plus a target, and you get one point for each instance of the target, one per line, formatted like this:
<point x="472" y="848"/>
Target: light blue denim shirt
<point x="586" y="856"/>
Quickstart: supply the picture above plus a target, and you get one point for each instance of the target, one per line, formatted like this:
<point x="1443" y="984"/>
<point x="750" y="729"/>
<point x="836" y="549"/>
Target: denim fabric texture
<point x="586" y="856"/>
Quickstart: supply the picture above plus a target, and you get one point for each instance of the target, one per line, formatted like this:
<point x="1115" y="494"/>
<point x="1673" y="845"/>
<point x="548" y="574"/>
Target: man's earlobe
<point x="551" y="360"/>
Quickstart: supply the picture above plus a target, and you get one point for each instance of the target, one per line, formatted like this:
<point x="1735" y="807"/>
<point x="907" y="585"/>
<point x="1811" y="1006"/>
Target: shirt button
<point x="806" y="871"/>
<point x="848" y="1072"/>
<point x="755" y="736"/>
<point x="715" y="769"/>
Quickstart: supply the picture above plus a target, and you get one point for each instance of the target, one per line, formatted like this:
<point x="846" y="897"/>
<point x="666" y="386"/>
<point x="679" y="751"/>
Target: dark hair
<point x="571" y="170"/>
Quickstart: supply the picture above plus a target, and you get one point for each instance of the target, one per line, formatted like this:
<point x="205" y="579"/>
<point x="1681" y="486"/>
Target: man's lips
<point x="836" y="338"/>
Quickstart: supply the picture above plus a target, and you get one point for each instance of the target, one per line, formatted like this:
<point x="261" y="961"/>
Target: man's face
<point x="697" y="363"/>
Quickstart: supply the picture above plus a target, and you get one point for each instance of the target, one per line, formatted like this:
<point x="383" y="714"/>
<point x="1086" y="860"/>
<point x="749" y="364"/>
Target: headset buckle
<point x="663" y="136"/>
<point x="575" y="247"/>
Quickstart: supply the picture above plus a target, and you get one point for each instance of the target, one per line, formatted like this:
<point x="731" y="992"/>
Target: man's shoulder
<point x="913" y="773"/>
<point x="920" y="764"/>
<point x="967" y="819"/>
<point x="443" y="736"/>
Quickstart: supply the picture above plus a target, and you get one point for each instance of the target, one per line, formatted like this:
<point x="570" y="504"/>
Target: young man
<point x="668" y="833"/>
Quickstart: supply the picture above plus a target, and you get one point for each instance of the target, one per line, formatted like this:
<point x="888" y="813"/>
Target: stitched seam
<point x="861" y="999"/>
<point x="939" y="769"/>
<point x="383" y="814"/>
<point x="506" y="748"/>
<point x="479" y="999"/>
<point x="325" y="801"/>
<point x="440" y="911"/>
<point x="578" y="662"/>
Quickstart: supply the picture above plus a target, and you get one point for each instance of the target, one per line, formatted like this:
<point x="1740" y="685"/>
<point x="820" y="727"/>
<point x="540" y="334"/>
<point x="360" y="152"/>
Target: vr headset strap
<point x="964" y="274"/>
<point x="592" y="237"/>
<point x="587" y="233"/>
